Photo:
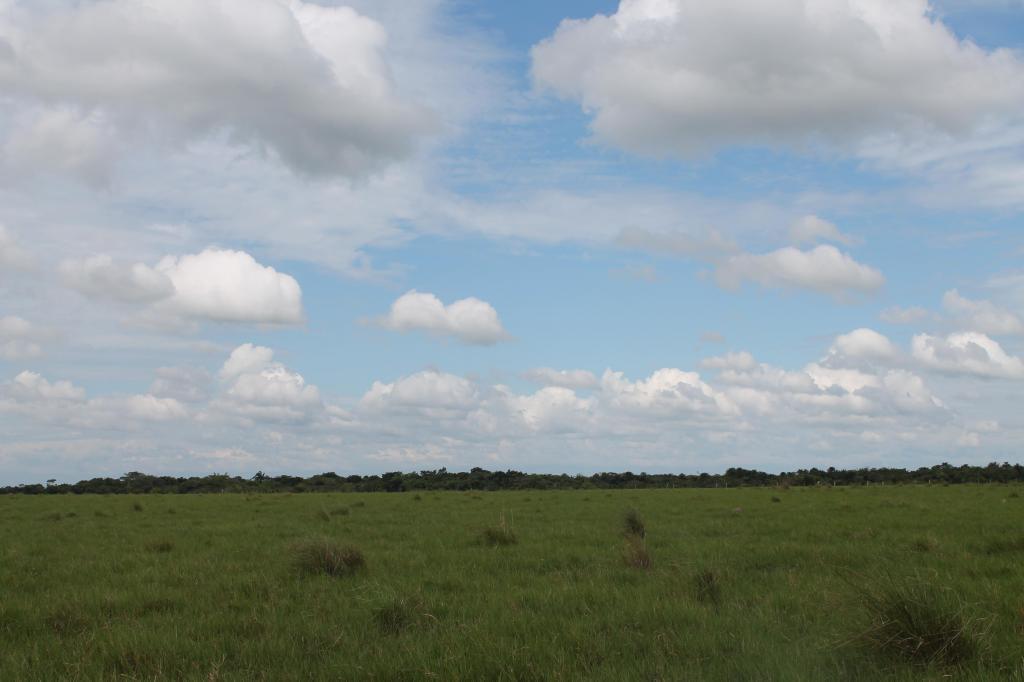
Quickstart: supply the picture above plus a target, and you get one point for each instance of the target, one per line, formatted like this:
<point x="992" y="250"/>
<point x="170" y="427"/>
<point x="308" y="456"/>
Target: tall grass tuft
<point x="160" y="546"/>
<point x="707" y="588"/>
<point x="636" y="553"/>
<point x="137" y="506"/>
<point x="633" y="524"/>
<point x="322" y="556"/>
<point x="500" y="535"/>
<point x="913" y="620"/>
<point x="400" y="614"/>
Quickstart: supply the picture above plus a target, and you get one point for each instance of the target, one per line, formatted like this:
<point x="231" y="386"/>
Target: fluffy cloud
<point x="216" y="284"/>
<point x="306" y="82"/>
<point x="862" y="344"/>
<point x="428" y="391"/>
<point x="824" y="269"/>
<point x="564" y="378"/>
<point x="982" y="316"/>
<point x="470" y="320"/>
<point x="967" y="353"/>
<point x="681" y="76"/>
<point x="255" y="387"/>
<point x="20" y="339"/>
<point x="811" y="229"/>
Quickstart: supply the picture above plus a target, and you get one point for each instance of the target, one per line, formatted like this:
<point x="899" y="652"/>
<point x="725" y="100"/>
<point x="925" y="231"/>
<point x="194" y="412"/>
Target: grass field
<point x="740" y="584"/>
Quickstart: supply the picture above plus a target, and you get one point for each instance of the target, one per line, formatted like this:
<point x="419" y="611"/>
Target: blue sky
<point x="366" y="236"/>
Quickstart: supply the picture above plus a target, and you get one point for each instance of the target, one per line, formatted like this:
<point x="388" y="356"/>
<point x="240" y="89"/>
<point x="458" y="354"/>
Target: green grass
<point x="874" y="583"/>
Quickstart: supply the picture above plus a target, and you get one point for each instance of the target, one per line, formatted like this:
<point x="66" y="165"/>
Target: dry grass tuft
<point x="501" y="535"/>
<point x="636" y="554"/>
<point x="633" y="524"/>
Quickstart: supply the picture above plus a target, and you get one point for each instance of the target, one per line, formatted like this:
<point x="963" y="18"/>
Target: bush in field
<point x="912" y="619"/>
<point x="500" y="535"/>
<point x="328" y="558"/>
<point x="633" y="524"/>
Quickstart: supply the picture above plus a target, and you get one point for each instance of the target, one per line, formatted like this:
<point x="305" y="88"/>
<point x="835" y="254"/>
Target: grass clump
<point x="915" y="621"/>
<point x="499" y="536"/>
<point x="400" y="614"/>
<point x="137" y="506"/>
<point x="707" y="587"/>
<point x="160" y="546"/>
<point x="325" y="557"/>
<point x="925" y="544"/>
<point x="323" y="515"/>
<point x="1004" y="545"/>
<point x="636" y="554"/>
<point x="633" y="524"/>
<point x="340" y="511"/>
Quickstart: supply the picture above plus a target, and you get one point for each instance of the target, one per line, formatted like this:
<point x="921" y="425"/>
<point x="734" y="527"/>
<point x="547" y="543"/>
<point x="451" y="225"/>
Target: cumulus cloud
<point x="306" y="82"/>
<point x="677" y="76"/>
<point x="811" y="229"/>
<point x="982" y="316"/>
<point x="470" y="320"/>
<point x="429" y="391"/>
<point x="862" y="344"/>
<point x="969" y="353"/>
<point x="824" y="269"/>
<point x="563" y="378"/>
<point x="256" y="387"/>
<point x="215" y="284"/>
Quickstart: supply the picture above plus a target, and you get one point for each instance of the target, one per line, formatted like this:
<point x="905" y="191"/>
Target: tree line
<point x="482" y="479"/>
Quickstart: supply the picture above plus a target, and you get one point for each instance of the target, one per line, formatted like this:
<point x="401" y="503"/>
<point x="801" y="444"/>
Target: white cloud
<point x="32" y="386"/>
<point x="862" y="344"/>
<point x="676" y="76"/>
<point x="564" y="378"/>
<point x="307" y="82"/>
<point x="470" y="320"/>
<point x="967" y="353"/>
<point x="824" y="269"/>
<point x="811" y="229"/>
<point x="665" y="391"/>
<point x="255" y="387"/>
<point x="429" y="391"/>
<point x="215" y="284"/>
<point x="982" y="316"/>
<point x="20" y="339"/>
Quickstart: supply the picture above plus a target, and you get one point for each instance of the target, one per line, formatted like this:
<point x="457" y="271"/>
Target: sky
<point x="647" y="235"/>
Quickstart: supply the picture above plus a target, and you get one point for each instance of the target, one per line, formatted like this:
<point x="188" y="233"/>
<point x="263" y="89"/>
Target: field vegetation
<point x="813" y="583"/>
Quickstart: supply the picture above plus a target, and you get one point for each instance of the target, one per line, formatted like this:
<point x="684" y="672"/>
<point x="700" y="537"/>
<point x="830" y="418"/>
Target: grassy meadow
<point x="864" y="583"/>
